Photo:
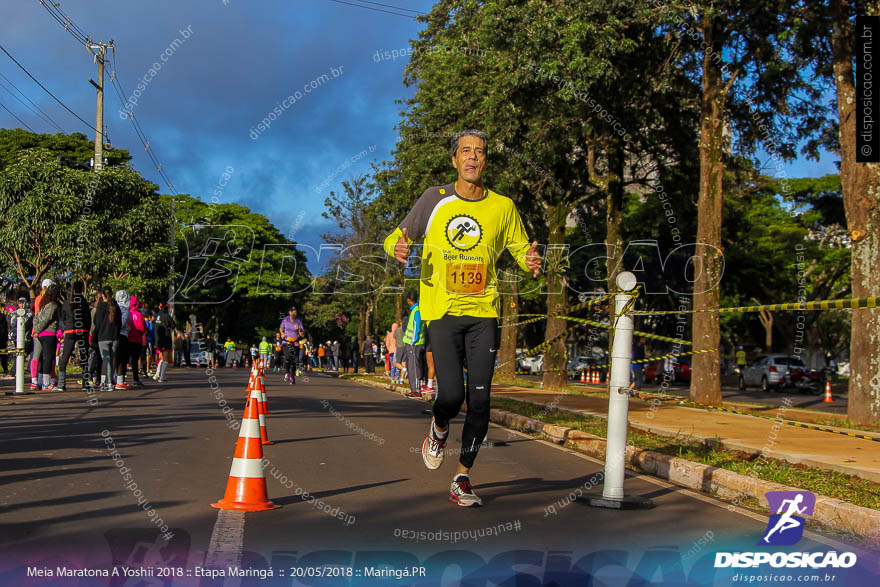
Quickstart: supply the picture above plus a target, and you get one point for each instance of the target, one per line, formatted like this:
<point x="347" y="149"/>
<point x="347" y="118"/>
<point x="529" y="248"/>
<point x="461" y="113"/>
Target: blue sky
<point x="241" y="60"/>
<point x="238" y="63"/>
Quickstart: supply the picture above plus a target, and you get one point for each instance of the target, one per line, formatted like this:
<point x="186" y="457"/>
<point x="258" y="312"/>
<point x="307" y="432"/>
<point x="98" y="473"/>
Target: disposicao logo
<point x="785" y="528"/>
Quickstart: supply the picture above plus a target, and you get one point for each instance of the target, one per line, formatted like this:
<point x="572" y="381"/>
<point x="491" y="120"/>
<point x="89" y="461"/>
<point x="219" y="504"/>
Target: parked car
<point x="681" y="369"/>
<point x="772" y="371"/>
<point x="195" y="354"/>
<point x="582" y="363"/>
<point x="533" y="364"/>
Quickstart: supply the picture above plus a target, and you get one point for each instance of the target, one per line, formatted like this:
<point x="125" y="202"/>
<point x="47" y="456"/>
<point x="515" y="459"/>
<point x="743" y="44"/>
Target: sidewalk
<point x="814" y="448"/>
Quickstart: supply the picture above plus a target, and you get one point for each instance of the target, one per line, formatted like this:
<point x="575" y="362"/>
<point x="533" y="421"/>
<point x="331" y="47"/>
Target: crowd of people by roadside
<point x="112" y="336"/>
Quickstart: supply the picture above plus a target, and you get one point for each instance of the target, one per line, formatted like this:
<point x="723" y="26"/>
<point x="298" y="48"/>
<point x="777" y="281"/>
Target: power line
<point x="16" y="117"/>
<point x="138" y="129"/>
<point x="78" y="34"/>
<point x="38" y="114"/>
<point x="374" y="9"/>
<point x="392" y="6"/>
<point x="91" y="126"/>
<point x="64" y="21"/>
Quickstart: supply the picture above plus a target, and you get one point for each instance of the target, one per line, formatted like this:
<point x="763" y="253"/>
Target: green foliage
<point x="73" y="150"/>
<point x="106" y="228"/>
<point x="236" y="271"/>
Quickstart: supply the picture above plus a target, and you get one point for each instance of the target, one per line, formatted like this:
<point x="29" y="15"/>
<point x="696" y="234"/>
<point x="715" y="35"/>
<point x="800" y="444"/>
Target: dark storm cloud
<point x="239" y="62"/>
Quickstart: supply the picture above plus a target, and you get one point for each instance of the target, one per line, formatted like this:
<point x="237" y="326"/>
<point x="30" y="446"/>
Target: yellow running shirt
<point x="462" y="241"/>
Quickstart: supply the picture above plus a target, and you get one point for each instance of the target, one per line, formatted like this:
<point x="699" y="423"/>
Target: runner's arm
<point x="515" y="238"/>
<point x="415" y="224"/>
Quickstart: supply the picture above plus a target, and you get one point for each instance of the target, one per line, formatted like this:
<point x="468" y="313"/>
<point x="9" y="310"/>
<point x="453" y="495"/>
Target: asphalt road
<point x="63" y="501"/>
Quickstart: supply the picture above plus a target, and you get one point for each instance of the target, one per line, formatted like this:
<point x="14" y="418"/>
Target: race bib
<point x="466" y="278"/>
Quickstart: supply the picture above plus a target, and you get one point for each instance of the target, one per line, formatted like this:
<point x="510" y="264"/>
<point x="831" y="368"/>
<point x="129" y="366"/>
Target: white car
<point x="533" y="364"/>
<point x="771" y="371"/>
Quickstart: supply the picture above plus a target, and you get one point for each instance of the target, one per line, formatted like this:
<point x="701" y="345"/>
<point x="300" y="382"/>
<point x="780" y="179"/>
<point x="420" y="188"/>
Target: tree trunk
<point x="557" y="297"/>
<point x="509" y="315"/>
<point x="766" y="319"/>
<point x="362" y="322"/>
<point x="706" y="373"/>
<point x="614" y="214"/>
<point x="861" y="201"/>
<point x="398" y="308"/>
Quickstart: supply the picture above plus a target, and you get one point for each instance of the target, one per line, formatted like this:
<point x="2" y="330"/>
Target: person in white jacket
<point x="122" y="351"/>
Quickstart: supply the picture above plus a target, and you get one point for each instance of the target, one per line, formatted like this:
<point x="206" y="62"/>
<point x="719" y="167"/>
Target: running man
<point x="786" y="521"/>
<point x="292" y="331"/>
<point x="465" y="227"/>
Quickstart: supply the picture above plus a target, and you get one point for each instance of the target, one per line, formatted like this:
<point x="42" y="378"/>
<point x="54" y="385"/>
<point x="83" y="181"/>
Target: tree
<point x="359" y="273"/>
<point x="826" y="45"/>
<point x="749" y="89"/>
<point x="106" y="228"/>
<point x="234" y="268"/>
<point x="40" y="200"/>
<point x="861" y="198"/>
<point x="557" y="85"/>
<point x="73" y="150"/>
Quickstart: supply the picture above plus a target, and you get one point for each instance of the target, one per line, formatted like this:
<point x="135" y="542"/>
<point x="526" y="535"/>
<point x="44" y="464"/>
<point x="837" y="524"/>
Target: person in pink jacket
<point x="137" y="338"/>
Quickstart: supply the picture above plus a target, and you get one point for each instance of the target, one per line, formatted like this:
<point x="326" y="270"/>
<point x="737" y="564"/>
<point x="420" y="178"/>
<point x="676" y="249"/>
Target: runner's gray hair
<point x="471" y="132"/>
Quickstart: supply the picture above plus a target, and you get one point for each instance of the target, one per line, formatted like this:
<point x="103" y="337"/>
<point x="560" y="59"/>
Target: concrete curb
<point x="830" y="512"/>
<point x="724" y="443"/>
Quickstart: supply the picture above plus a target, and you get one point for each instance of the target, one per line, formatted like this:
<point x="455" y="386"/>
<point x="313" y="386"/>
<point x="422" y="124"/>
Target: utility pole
<point x="99" y="50"/>
<point x="173" y="248"/>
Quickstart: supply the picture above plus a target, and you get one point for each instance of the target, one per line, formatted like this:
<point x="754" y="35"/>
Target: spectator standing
<point x="355" y="353"/>
<point x="637" y="370"/>
<point x="122" y="300"/>
<point x="163" y="327"/>
<point x="367" y="351"/>
<point x="334" y="350"/>
<point x="399" y="353"/>
<point x="4" y="342"/>
<point x="137" y="339"/>
<point x="46" y="327"/>
<point x="108" y="322"/>
<point x="77" y="319"/>
<point x="414" y="339"/>
<point x="321" y="352"/>
<point x="265" y="349"/>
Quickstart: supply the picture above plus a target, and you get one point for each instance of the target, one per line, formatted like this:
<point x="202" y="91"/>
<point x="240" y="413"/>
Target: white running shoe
<point x="432" y="449"/>
<point x="462" y="493"/>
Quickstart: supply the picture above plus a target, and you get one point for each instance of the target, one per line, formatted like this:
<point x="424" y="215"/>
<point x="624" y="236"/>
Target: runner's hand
<point x="533" y="259"/>
<point x="401" y="249"/>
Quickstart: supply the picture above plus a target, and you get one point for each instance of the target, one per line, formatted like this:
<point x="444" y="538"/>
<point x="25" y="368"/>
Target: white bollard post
<point x="19" y="358"/>
<point x="618" y="408"/>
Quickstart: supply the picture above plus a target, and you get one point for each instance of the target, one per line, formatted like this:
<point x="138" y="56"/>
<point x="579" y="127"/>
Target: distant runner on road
<point x="291" y="332"/>
<point x="465" y="228"/>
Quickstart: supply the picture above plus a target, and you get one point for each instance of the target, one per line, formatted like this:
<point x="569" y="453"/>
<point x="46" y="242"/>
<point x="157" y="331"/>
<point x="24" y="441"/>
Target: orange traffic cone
<point x="584" y="376"/>
<point x="828" y="399"/>
<point x="262" y="384"/>
<point x="257" y="397"/>
<point x="246" y="488"/>
<point x="234" y="364"/>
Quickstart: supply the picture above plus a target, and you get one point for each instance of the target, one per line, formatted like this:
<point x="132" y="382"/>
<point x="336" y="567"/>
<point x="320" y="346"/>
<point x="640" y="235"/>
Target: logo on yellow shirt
<point x="464" y="232"/>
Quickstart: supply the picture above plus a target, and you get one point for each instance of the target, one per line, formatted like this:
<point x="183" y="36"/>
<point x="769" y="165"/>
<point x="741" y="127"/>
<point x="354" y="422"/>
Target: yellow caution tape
<point x="662" y="357"/>
<point x="848" y="304"/>
<point x="538" y="317"/>
<point x="741" y="413"/>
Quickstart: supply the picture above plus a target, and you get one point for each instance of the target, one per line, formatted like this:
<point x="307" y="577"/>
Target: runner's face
<point x="292" y="314"/>
<point x="470" y="159"/>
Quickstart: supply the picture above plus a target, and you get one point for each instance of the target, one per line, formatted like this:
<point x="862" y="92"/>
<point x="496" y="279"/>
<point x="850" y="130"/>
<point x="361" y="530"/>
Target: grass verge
<point x="848" y="488"/>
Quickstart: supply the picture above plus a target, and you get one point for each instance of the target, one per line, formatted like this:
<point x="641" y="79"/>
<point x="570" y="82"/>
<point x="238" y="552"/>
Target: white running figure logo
<point x="786" y="522"/>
